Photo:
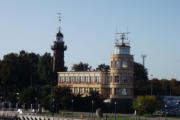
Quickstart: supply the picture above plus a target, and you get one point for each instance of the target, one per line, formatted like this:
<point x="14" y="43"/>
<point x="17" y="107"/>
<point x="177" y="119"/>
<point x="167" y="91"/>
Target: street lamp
<point x="35" y="104"/>
<point x="92" y="107"/>
<point x="72" y="107"/>
<point x="53" y="106"/>
<point x="17" y="98"/>
<point x="165" y="111"/>
<point x="115" y="109"/>
<point x="151" y="85"/>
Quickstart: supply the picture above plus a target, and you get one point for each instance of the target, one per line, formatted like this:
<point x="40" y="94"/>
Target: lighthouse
<point x="58" y="51"/>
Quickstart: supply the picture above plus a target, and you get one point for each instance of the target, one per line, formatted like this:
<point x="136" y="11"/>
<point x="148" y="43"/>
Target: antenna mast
<point x="143" y="58"/>
<point x="59" y="19"/>
<point x="123" y="37"/>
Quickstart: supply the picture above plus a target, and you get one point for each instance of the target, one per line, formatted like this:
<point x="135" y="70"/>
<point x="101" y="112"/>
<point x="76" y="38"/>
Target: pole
<point x="72" y="108"/>
<point x="35" y="104"/>
<point x="115" y="110"/>
<point x="53" y="107"/>
<point x="92" y="107"/>
<point x="165" y="111"/>
<point x="152" y="85"/>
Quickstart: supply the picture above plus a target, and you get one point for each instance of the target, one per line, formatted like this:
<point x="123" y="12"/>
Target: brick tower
<point x="58" y="52"/>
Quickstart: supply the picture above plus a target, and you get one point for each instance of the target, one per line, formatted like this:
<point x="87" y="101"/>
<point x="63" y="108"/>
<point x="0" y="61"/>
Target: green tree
<point x="29" y="96"/>
<point x="61" y="95"/>
<point x="140" y="79"/>
<point x="17" y="72"/>
<point x="146" y="104"/>
<point x="97" y="98"/>
<point x="103" y="67"/>
<point x="45" y="69"/>
<point x="81" y="67"/>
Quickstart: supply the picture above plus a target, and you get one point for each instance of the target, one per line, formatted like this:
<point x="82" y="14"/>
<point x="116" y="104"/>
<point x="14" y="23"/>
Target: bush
<point x="146" y="104"/>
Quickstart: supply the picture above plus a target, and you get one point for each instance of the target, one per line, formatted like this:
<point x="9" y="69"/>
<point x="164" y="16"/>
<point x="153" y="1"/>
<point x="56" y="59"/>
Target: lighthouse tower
<point x="121" y="73"/>
<point x="58" y="51"/>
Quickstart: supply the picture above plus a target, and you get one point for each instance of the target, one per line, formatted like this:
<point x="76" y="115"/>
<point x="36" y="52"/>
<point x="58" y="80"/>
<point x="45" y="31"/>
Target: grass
<point x="68" y="114"/>
<point x="89" y="116"/>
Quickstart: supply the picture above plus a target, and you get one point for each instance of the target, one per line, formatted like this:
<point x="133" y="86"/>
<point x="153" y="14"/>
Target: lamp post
<point x="35" y="104"/>
<point x="151" y="85"/>
<point x="115" y="109"/>
<point x="17" y="98"/>
<point x="72" y="108"/>
<point x="92" y="107"/>
<point x="53" y="107"/>
<point x="165" y="111"/>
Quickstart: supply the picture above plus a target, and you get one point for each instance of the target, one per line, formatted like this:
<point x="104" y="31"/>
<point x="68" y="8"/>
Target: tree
<point x="61" y="95"/>
<point x="146" y="104"/>
<point x="17" y="72"/>
<point x="174" y="87"/>
<point x="45" y="69"/>
<point x="140" y="79"/>
<point x="81" y="67"/>
<point x="103" y="67"/>
<point x="98" y="99"/>
<point x="29" y="96"/>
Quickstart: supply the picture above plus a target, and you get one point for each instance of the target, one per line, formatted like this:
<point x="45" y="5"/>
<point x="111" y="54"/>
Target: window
<point x="98" y="80"/>
<point x="116" y="91"/>
<point x="124" y="64"/>
<point x="108" y="91"/>
<point x="124" y="79"/>
<point x="117" y="64"/>
<point x="92" y="79"/>
<point x="89" y="79"/>
<point x="62" y="79"/>
<point x="74" y="79"/>
<point x="79" y="79"/>
<point x="91" y="89"/>
<point x="80" y="90"/>
<point x="71" y="89"/>
<point x="124" y="91"/>
<point x="59" y="81"/>
<point x="97" y="89"/>
<point x="85" y="79"/>
<point x="82" y="80"/>
<point x="76" y="90"/>
<point x="116" y="79"/>
<point x="86" y="90"/>
<point x="95" y="79"/>
<point x="107" y="79"/>
<point x="69" y="79"/>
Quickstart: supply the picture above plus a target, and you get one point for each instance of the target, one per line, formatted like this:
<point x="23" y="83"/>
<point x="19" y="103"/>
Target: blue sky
<point x="89" y="29"/>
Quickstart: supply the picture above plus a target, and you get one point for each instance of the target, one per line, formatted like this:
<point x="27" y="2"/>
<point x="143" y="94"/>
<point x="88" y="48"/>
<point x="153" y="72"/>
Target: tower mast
<point x="143" y="59"/>
<point x="59" y="19"/>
